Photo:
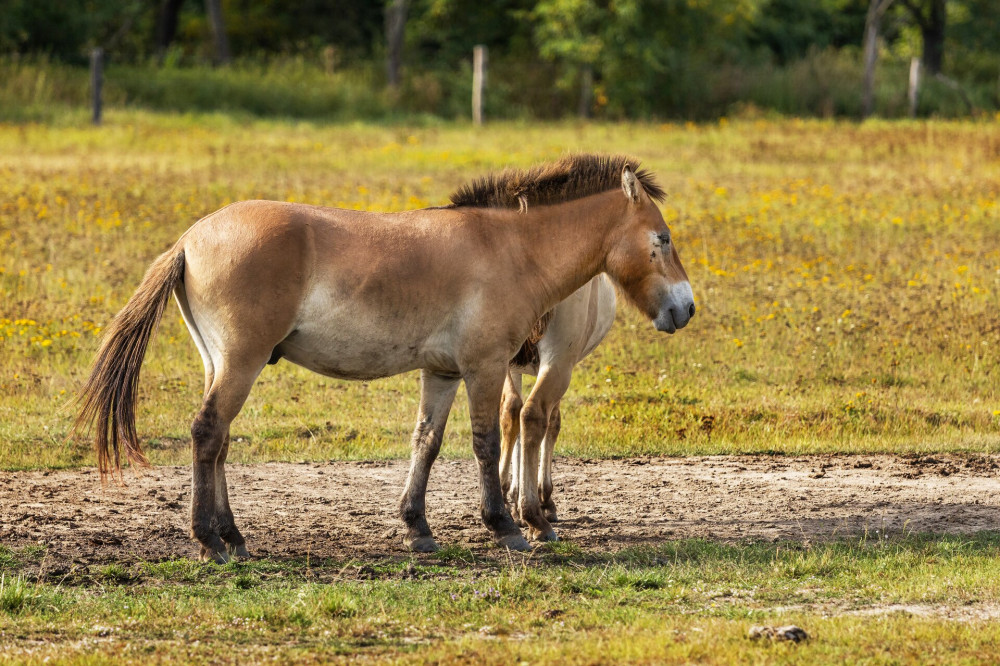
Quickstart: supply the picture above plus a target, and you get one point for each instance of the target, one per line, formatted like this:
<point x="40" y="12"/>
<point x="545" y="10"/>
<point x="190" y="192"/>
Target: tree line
<point x="619" y="57"/>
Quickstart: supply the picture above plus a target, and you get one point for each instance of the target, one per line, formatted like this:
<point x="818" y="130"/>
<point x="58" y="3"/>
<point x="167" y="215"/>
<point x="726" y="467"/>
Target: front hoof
<point x="514" y="542"/>
<point x="423" y="544"/>
<point x="217" y="556"/>
<point x="239" y="551"/>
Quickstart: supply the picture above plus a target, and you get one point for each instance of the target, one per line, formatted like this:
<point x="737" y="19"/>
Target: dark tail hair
<point x="110" y="394"/>
<point x="527" y="355"/>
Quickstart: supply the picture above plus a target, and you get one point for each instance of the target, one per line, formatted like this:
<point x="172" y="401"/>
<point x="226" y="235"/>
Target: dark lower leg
<point x="486" y="446"/>
<point x="207" y="435"/>
<point x="485" y="390"/>
<point x="234" y="540"/>
<point x="426" y="445"/>
<point x="436" y="396"/>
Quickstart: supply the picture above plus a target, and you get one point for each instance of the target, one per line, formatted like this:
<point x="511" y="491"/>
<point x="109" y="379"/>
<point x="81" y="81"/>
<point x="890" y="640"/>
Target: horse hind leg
<point x="545" y="477"/>
<point x="231" y="536"/>
<point x="211" y="517"/>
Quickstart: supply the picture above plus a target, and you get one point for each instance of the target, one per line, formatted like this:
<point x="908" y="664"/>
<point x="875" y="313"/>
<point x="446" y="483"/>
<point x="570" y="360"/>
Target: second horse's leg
<point x="510" y="428"/>
<point x="545" y="473"/>
<point x="535" y="417"/>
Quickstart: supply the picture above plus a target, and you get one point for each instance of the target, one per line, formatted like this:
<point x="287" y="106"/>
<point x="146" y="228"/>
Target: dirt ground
<point x="347" y="510"/>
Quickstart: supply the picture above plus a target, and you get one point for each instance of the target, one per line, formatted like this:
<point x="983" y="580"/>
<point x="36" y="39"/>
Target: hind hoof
<point x="424" y="544"/>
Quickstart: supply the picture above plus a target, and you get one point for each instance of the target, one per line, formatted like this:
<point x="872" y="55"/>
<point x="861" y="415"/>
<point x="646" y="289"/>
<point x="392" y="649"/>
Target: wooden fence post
<point x="478" y="82"/>
<point x="914" y="89"/>
<point x="96" y="83"/>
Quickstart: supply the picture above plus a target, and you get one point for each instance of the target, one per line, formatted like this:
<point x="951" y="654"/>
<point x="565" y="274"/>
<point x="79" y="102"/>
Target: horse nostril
<point x="691" y="310"/>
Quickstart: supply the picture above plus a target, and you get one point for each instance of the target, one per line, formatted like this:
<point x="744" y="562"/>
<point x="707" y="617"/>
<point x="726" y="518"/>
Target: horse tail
<point x="109" y="395"/>
<point x="527" y="356"/>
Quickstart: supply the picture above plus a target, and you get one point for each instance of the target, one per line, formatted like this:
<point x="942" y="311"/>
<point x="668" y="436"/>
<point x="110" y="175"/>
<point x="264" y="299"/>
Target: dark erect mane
<point x="573" y="177"/>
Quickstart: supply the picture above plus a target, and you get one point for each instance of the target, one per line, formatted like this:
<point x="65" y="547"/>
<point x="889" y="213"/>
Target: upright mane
<point x="573" y="177"/>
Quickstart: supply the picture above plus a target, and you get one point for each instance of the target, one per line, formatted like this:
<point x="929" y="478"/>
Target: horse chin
<point x="664" y="323"/>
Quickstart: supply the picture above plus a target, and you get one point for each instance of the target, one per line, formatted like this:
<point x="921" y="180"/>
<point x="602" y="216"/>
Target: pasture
<point x="846" y="278"/>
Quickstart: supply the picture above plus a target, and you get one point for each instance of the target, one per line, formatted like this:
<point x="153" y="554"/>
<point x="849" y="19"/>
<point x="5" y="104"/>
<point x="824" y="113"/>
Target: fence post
<point x="914" y="89"/>
<point x="478" y="82"/>
<point x="96" y="82"/>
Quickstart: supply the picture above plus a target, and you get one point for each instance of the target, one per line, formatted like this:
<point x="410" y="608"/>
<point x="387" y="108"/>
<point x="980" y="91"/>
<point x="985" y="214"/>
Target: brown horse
<point x="453" y="291"/>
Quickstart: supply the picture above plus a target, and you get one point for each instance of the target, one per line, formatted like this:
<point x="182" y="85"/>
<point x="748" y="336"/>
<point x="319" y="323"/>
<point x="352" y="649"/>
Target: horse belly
<point x="346" y="350"/>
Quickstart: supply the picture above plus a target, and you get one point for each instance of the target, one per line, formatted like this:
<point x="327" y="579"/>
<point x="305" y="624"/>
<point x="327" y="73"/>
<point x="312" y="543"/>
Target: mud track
<point x="347" y="510"/>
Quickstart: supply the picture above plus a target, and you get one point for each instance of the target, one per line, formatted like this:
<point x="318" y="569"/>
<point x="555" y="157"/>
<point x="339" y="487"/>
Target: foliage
<point x="823" y="83"/>
<point x="790" y="29"/>
<point x="648" y="59"/>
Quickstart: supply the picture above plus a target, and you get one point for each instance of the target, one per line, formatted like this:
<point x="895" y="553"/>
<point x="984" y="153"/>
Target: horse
<point x="563" y="338"/>
<point x="451" y="291"/>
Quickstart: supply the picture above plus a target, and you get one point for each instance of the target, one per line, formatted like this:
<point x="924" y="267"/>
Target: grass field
<point x="847" y="280"/>
<point x="678" y="603"/>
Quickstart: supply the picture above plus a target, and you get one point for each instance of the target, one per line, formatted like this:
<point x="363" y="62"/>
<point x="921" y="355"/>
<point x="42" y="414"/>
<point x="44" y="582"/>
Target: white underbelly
<point x="352" y="341"/>
<point x="340" y="354"/>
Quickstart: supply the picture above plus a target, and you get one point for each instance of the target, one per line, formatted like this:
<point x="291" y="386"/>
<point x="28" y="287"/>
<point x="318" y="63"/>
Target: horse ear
<point x="630" y="184"/>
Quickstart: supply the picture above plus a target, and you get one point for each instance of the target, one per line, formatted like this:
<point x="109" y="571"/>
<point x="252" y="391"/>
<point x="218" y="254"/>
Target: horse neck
<point x="566" y="245"/>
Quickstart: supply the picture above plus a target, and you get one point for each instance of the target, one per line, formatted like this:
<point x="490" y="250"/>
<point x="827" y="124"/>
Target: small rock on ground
<point x="787" y="633"/>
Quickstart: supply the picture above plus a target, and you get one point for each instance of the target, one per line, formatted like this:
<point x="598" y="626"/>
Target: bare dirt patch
<point x="347" y="510"/>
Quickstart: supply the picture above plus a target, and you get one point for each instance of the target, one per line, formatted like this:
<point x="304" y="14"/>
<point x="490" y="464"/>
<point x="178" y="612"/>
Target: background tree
<point x="395" y="26"/>
<point x="873" y="26"/>
<point x="218" y="22"/>
<point x="931" y="17"/>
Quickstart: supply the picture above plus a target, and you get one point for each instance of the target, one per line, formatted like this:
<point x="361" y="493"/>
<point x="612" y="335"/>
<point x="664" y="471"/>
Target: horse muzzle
<point x="676" y="309"/>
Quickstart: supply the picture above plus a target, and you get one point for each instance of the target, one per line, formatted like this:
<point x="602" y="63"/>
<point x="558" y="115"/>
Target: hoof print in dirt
<point x="786" y="633"/>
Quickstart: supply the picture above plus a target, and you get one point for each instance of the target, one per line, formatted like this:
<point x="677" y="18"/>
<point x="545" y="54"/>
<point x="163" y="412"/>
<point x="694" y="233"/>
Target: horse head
<point x="643" y="260"/>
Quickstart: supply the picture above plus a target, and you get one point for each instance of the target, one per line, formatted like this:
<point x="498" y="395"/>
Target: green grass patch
<point x="871" y="596"/>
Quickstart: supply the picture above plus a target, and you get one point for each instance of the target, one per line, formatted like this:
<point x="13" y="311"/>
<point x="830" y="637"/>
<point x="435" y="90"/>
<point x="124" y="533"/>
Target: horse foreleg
<point x="436" y="396"/>
<point x="510" y="427"/>
<point x="548" y="446"/>
<point x="484" y="389"/>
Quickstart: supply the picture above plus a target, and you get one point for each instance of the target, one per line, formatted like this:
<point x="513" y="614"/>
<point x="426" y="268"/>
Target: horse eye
<point x="665" y="238"/>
